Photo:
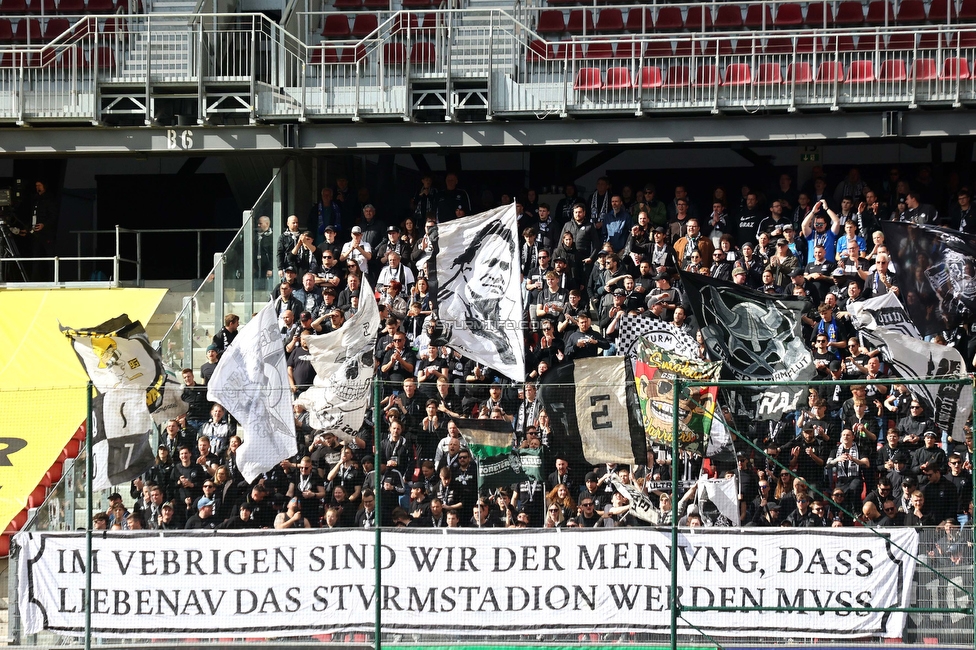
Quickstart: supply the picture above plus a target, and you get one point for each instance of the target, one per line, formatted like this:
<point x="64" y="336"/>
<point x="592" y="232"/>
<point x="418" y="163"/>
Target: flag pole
<point x="377" y="484"/>
<point x="89" y="467"/>
<point x="675" y="395"/>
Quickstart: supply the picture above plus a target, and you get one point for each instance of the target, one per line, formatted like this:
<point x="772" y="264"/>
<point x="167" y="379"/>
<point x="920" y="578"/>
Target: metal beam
<point x="592" y="163"/>
<point x="661" y="132"/>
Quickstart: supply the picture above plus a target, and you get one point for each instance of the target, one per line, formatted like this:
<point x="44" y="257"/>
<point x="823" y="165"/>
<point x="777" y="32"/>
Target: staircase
<point x="168" y="46"/>
<point x="471" y="44"/>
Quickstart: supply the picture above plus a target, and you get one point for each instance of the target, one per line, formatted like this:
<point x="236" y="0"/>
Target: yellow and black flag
<point x="132" y="390"/>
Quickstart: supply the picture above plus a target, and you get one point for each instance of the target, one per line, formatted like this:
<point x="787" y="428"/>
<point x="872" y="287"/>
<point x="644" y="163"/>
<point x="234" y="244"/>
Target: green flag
<point x="490" y="442"/>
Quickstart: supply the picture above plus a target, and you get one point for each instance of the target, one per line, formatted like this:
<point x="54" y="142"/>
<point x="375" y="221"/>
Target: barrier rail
<point x="431" y="64"/>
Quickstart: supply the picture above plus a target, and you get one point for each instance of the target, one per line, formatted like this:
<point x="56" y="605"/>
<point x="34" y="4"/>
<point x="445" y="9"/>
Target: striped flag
<point x="499" y="465"/>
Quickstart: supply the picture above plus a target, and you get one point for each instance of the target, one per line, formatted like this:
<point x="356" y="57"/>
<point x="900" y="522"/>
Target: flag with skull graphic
<point x="343" y="362"/>
<point x="757" y="337"/>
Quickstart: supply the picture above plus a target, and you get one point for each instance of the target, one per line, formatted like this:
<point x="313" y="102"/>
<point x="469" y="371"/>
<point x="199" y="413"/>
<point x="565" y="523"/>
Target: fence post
<point x="678" y="387"/>
<point x="218" y="292"/>
<point x="89" y="509"/>
<point x="377" y="548"/>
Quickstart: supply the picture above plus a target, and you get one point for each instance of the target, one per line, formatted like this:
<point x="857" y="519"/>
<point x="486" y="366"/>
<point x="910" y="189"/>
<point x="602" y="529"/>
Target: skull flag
<point x="757" y="337"/>
<point x="343" y="362"/>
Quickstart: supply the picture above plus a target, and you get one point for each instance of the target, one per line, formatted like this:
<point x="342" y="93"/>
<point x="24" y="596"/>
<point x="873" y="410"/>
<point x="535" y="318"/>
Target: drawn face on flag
<point x="491" y="270"/>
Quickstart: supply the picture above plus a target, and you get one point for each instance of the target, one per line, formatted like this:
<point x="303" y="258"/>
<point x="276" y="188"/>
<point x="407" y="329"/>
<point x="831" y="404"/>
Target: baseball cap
<point x="247" y="505"/>
<point x="662" y="276"/>
<point x="591" y="476"/>
<point x="356" y="230"/>
<point x="168" y="504"/>
<point x="660" y="229"/>
<point x="393" y="229"/>
<point x="204" y="502"/>
<point x="782" y="242"/>
<point x="330" y="227"/>
<point x="788" y="226"/>
<point x="738" y="271"/>
<point x="290" y="268"/>
<point x="619" y="292"/>
<point x="795" y="273"/>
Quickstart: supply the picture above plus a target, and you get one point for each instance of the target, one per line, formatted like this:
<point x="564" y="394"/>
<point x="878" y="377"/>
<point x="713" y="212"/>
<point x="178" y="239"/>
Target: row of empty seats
<point x="64" y="7"/>
<point x="770" y="74"/>
<point x="420" y="54"/>
<point x="340" y="26"/>
<point x="77" y="57"/>
<point x="541" y="50"/>
<point x="39" y="31"/>
<point x="850" y="13"/>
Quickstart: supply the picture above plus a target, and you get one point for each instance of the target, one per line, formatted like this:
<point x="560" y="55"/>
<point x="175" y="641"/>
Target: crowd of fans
<point x="858" y="455"/>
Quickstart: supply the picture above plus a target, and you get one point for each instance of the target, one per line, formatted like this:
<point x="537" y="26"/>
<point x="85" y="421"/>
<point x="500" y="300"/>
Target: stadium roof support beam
<point x="591" y="164"/>
<point x="916" y="127"/>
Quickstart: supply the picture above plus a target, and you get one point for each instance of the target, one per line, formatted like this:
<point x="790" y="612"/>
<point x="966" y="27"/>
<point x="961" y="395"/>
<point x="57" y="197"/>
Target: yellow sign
<point x="42" y="385"/>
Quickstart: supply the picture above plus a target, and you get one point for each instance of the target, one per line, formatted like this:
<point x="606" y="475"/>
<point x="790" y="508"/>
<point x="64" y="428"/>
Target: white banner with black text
<point x="468" y="582"/>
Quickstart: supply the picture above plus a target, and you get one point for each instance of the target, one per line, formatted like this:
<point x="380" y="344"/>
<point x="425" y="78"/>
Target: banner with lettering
<point x="468" y="582"/>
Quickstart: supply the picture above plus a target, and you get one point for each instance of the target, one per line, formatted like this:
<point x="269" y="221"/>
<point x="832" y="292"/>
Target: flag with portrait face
<point x="476" y="269"/>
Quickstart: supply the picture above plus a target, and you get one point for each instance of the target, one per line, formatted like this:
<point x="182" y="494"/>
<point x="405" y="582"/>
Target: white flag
<point x="724" y="494"/>
<point x="343" y="362"/>
<point x="479" y="298"/>
<point x="251" y="382"/>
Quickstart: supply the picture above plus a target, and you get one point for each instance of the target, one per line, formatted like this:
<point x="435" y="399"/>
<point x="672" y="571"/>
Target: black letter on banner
<point x="604" y="412"/>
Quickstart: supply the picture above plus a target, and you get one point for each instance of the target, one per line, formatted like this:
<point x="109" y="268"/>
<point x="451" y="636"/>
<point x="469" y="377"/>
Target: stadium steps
<point x="471" y="41"/>
<point x="170" y="48"/>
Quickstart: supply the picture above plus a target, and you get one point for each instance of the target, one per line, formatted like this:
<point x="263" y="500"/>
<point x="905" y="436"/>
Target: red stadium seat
<point x="406" y="23"/>
<point x="843" y="43"/>
<point x="849" y="12"/>
<point x="540" y="51"/>
<point x="28" y="30"/>
<point x="788" y="15"/>
<point x="588" y="79"/>
<point x="639" y="20"/>
<point x="679" y="76"/>
<point x="17" y="522"/>
<point x="551" y="22"/>
<point x="422" y="54"/>
<point x="66" y="60"/>
<point x="924" y="70"/>
<point x="347" y="5"/>
<point x="755" y="15"/>
<point x="685" y="47"/>
<point x="893" y="70"/>
<point x="55" y="473"/>
<point x="901" y="41"/>
<point x="943" y="11"/>
<point x="955" y="68"/>
<point x="115" y="25"/>
<point x="36" y="498"/>
<point x="662" y="48"/>
<point x="580" y="22"/>
<point x="861" y="71"/>
<point x="429" y="24"/>
<point x="870" y="42"/>
<point x="650" y="77"/>
<point x="699" y="18"/>
<point x="706" y="75"/>
<point x="394" y="53"/>
<point x="104" y="58"/>
<point x="71" y="7"/>
<point x="769" y="74"/>
<point x="13" y="7"/>
<point x="830" y="72"/>
<point x="4" y="545"/>
<point x="415" y="4"/>
<point x="627" y="50"/>
<point x="725" y="47"/>
<point x="6" y="31"/>
<point x="570" y="51"/>
<point x="729" y="16"/>
<point x="101" y="6"/>
<point x="967" y="39"/>
<point x="819" y="14"/>
<point x="610" y="20"/>
<point x="353" y="54"/>
<point x="911" y="12"/>
<point x="46" y="7"/>
<point x="336" y="26"/>
<point x="880" y="12"/>
<point x="364" y="25"/>
<point x="799" y="73"/>
<point x="377" y="5"/>
<point x="599" y="51"/>
<point x="737" y="74"/>
<point x="618" y="78"/>
<point x="807" y="44"/>
<point x="669" y="19"/>
<point x="778" y="45"/>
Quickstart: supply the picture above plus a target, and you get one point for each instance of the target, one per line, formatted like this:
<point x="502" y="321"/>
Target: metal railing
<point x="138" y="234"/>
<point x="412" y="62"/>
<point x="11" y="267"/>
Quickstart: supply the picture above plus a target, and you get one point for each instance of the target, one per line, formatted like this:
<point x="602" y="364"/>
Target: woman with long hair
<point x="409" y="232"/>
<point x="561" y="497"/>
